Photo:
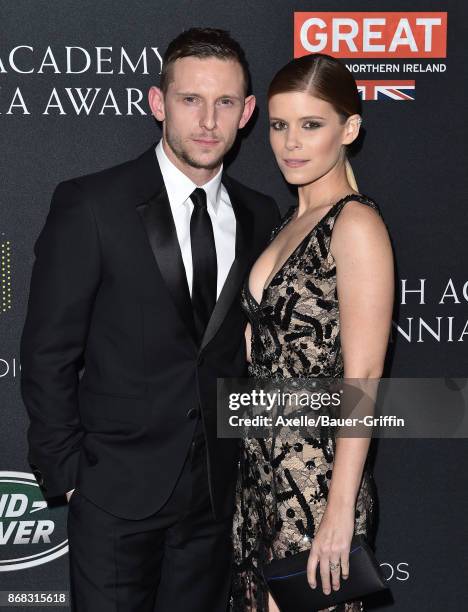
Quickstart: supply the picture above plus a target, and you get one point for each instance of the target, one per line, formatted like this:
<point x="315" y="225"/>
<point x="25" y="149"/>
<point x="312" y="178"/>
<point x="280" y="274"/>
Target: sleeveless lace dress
<point x="283" y="481"/>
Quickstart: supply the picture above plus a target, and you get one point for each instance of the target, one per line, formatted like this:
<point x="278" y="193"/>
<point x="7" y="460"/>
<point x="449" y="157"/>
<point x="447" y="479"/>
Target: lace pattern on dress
<point x="283" y="480"/>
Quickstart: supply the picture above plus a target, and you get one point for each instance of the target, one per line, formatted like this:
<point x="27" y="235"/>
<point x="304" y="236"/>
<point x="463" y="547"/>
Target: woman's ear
<point x="351" y="128"/>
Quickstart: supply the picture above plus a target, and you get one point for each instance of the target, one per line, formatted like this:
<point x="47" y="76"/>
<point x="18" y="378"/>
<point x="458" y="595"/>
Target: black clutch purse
<point x="287" y="580"/>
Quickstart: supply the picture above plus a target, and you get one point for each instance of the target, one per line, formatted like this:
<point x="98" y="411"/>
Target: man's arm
<point x="64" y="281"/>
<point x="276" y="215"/>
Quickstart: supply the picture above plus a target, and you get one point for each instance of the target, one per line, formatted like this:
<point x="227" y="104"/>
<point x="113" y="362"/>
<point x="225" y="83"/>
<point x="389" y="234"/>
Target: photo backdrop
<point x="73" y="83"/>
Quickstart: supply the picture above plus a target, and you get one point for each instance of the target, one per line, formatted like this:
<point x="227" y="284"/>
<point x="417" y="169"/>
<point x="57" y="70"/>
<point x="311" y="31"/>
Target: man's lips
<point x="206" y="142"/>
<point x="295" y="163"/>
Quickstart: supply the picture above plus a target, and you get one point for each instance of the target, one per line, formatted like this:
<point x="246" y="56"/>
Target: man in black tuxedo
<point x="134" y="312"/>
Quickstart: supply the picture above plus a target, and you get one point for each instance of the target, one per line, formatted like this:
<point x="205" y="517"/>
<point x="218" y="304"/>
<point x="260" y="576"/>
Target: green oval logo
<point x="31" y="532"/>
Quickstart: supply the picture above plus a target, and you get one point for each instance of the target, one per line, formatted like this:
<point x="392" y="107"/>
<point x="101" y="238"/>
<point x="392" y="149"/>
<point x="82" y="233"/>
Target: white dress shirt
<point x="179" y="188"/>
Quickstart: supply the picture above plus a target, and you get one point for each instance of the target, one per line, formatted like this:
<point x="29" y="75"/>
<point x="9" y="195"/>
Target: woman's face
<point x="307" y="135"/>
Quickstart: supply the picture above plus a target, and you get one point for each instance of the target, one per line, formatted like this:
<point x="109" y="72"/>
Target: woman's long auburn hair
<point x="326" y="78"/>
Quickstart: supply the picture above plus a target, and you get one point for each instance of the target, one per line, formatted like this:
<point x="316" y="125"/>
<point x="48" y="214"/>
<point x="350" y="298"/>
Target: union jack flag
<point x="386" y="90"/>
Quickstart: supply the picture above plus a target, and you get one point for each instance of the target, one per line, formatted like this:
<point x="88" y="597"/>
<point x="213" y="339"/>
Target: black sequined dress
<point x="283" y="484"/>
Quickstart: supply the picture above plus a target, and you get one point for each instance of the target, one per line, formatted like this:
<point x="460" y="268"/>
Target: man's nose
<point x="208" y="117"/>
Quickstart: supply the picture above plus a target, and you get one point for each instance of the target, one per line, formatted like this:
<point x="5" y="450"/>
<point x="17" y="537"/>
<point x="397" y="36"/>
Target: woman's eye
<point x="277" y="125"/>
<point x="311" y="125"/>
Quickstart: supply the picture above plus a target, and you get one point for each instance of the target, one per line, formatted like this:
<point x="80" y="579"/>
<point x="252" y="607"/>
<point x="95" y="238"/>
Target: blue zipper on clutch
<point x="303" y="571"/>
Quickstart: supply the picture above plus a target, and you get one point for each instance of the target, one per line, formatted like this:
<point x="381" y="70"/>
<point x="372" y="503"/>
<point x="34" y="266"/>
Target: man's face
<point x="202" y="110"/>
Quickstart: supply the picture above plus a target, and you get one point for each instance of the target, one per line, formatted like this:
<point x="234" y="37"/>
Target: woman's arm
<point x="365" y="284"/>
<point x="248" y="338"/>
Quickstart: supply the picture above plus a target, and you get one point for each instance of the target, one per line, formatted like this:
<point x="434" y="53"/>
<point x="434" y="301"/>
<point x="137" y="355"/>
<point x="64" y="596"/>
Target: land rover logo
<point x="31" y="533"/>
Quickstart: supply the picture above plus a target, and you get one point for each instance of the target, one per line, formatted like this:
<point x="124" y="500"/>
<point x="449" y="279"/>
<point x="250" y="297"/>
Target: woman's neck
<point x="323" y="192"/>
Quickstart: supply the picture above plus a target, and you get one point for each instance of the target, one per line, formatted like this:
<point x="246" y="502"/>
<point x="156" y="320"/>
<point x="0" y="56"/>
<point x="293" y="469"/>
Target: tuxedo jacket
<point x="111" y="374"/>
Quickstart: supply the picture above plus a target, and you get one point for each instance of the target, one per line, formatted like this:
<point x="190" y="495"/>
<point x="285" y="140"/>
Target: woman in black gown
<point x="319" y="300"/>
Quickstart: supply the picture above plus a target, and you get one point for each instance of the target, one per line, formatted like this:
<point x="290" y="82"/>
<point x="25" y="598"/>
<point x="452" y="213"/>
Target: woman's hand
<point x="331" y="545"/>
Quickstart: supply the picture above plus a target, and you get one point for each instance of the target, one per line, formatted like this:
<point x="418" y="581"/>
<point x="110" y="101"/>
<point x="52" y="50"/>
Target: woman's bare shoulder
<point x="359" y="225"/>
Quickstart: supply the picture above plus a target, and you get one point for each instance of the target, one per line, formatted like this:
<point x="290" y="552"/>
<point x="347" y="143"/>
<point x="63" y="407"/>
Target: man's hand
<point x="69" y="494"/>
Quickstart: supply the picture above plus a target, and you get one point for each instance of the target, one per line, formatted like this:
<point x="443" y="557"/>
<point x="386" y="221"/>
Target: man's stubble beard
<point x="177" y="148"/>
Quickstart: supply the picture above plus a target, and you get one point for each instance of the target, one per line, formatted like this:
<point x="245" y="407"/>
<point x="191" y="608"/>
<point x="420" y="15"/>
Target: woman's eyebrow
<point x="300" y="118"/>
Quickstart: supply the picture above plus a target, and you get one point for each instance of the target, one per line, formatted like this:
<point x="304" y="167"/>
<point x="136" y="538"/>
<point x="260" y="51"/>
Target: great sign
<point x="371" y="34"/>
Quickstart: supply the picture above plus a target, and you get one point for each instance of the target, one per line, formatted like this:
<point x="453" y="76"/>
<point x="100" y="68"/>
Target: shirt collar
<point x="179" y="186"/>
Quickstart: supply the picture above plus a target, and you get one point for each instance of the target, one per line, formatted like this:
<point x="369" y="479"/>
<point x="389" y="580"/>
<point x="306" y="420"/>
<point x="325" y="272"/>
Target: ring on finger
<point x="334" y="566"/>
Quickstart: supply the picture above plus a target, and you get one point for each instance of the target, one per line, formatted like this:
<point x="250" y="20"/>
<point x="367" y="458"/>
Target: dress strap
<point x="284" y="220"/>
<point x="329" y="219"/>
<point x="359" y="197"/>
<point x="336" y="210"/>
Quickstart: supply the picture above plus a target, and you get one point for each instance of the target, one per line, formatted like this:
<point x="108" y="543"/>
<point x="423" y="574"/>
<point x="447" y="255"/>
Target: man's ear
<point x="352" y="126"/>
<point x="156" y="102"/>
<point x="249" y="107"/>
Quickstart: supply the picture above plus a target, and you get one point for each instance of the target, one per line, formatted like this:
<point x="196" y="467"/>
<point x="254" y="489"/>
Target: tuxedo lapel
<point x="159" y="225"/>
<point x="232" y="286"/>
<point x="155" y="212"/>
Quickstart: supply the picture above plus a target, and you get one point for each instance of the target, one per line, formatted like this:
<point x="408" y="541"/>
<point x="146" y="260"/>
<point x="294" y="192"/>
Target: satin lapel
<point x="232" y="286"/>
<point x="160" y="228"/>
